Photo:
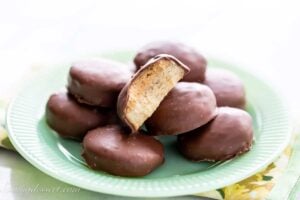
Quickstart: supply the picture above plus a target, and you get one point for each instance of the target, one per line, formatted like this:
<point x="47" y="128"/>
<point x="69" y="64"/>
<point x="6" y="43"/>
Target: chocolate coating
<point x="113" y="150"/>
<point x="70" y="119"/>
<point x="227" y="87"/>
<point x="98" y="82"/>
<point x="186" y="54"/>
<point x="186" y="107"/>
<point x="228" y="135"/>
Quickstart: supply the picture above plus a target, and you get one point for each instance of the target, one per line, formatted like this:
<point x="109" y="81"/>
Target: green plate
<point x="61" y="159"/>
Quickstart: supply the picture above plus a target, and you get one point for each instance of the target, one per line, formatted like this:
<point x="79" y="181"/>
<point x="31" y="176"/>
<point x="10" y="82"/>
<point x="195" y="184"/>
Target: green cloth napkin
<point x="280" y="180"/>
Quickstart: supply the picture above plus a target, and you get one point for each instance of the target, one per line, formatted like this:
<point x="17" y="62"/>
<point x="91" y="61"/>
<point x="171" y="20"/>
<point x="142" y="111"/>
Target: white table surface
<point x="262" y="36"/>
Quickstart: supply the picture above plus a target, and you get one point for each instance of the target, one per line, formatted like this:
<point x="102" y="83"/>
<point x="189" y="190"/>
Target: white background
<point x="262" y="35"/>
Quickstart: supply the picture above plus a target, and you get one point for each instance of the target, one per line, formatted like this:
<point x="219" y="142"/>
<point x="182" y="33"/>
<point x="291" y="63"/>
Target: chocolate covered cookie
<point x="227" y="87"/>
<point x="112" y="149"/>
<point x="228" y="135"/>
<point x="186" y="107"/>
<point x="98" y="81"/>
<point x="186" y="54"/>
<point x="147" y="88"/>
<point x="72" y="120"/>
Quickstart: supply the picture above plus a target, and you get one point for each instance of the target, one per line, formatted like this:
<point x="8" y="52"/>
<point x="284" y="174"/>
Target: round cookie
<point x="112" y="149"/>
<point x="98" y="81"/>
<point x="72" y="120"/>
<point x="228" y="135"/>
<point x="186" y="107"/>
<point x="186" y="54"/>
<point x="227" y="87"/>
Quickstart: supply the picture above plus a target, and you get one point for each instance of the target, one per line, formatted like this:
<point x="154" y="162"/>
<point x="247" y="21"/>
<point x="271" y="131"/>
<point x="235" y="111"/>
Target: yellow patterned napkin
<point x="256" y="187"/>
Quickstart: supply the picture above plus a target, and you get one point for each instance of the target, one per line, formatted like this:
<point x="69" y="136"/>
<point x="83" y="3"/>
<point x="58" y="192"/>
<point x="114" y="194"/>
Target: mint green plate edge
<point x="276" y="121"/>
